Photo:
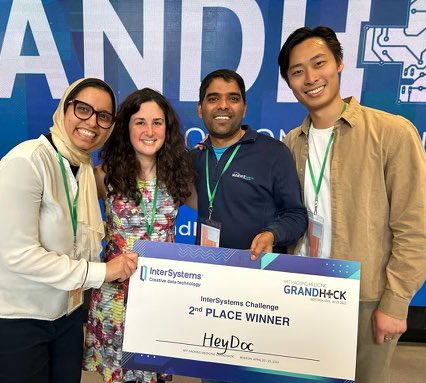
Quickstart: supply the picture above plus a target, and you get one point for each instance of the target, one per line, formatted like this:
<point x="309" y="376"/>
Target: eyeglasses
<point x="84" y="111"/>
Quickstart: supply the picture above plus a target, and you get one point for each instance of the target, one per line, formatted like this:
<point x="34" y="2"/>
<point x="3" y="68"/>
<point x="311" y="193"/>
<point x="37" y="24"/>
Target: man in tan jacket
<point x="363" y="175"/>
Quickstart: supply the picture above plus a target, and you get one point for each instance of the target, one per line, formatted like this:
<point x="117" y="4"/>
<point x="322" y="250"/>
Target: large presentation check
<point x="213" y="313"/>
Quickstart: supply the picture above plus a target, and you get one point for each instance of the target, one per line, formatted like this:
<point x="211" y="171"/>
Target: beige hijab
<point x="88" y="212"/>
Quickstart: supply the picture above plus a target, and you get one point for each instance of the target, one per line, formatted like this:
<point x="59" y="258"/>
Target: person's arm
<point x="192" y="200"/>
<point x="291" y="220"/>
<point x="21" y="251"/>
<point x="100" y="181"/>
<point x="405" y="171"/>
<point x="122" y="267"/>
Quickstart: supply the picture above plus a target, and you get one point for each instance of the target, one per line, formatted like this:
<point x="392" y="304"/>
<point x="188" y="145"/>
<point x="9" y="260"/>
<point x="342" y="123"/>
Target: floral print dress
<point x="125" y="223"/>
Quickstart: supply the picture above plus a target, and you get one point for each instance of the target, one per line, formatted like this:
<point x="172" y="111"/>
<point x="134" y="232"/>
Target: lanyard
<point x="317" y="185"/>
<point x="225" y="168"/>
<point x="72" y="208"/>
<point x="150" y="225"/>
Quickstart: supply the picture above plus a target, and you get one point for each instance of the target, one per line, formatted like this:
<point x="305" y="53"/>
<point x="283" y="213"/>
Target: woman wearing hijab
<point x="50" y="239"/>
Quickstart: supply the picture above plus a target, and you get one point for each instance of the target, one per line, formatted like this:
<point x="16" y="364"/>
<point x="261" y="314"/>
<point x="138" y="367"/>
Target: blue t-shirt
<point x="219" y="151"/>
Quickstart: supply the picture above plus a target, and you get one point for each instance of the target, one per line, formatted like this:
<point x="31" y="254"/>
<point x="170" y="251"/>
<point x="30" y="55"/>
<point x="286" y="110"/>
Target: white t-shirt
<point x="318" y="140"/>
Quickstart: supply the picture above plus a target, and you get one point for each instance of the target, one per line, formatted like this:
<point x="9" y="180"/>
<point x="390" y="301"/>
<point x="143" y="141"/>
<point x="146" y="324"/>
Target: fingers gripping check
<point x="122" y="267"/>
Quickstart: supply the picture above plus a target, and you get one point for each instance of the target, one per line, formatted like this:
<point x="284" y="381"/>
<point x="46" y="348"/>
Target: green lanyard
<point x="225" y="168"/>
<point x="72" y="208"/>
<point x="317" y="185"/>
<point x="150" y="225"/>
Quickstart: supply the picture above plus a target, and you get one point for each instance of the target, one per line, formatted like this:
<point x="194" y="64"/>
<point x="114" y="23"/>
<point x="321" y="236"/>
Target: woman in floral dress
<point x="145" y="175"/>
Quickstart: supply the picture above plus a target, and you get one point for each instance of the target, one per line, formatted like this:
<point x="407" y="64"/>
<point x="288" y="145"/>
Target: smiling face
<point x="313" y="75"/>
<point x="147" y="130"/>
<point x="87" y="134"/>
<point x="222" y="111"/>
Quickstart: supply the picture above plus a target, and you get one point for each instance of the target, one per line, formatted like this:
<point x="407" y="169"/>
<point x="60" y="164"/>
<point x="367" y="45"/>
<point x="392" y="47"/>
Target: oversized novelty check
<point x="213" y="313"/>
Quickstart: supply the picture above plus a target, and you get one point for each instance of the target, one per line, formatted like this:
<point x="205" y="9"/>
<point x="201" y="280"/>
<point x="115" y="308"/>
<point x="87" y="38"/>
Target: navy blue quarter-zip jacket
<point x="259" y="191"/>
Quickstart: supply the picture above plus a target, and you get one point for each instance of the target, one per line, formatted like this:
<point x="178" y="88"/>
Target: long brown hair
<point x="119" y="162"/>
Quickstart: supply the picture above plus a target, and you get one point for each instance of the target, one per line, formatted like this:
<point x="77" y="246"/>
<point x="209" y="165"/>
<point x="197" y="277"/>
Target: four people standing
<point x="352" y="163"/>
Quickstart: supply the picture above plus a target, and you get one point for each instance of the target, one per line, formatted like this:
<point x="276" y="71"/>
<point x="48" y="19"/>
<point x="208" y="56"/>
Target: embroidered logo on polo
<point x="243" y="176"/>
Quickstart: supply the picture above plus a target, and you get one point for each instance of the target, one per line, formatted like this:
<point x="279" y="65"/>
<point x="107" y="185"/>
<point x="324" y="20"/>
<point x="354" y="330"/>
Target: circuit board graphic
<point x="405" y="45"/>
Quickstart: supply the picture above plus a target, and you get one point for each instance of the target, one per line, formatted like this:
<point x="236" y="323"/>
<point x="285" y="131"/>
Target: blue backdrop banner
<point x="170" y="45"/>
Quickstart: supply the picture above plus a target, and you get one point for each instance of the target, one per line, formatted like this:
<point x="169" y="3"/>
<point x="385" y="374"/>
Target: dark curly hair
<point x="174" y="166"/>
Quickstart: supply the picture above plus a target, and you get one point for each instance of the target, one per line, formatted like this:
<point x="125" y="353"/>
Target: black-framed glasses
<point x="84" y="111"/>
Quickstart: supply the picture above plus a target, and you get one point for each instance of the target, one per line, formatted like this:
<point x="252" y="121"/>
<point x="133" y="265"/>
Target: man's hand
<point x="122" y="267"/>
<point x="262" y="243"/>
<point x="386" y="328"/>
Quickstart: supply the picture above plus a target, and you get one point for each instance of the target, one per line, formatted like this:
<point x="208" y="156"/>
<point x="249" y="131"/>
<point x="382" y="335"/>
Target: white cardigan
<point x="36" y="236"/>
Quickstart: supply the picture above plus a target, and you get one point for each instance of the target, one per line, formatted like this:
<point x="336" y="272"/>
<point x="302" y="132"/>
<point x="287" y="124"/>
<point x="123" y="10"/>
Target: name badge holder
<point x="209" y="232"/>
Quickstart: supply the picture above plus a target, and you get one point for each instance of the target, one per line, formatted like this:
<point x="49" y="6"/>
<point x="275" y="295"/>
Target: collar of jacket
<point x="348" y="118"/>
<point x="249" y="137"/>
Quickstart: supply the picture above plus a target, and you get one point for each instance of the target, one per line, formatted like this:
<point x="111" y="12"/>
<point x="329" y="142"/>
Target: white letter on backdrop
<point x="47" y="62"/>
<point x="352" y="77"/>
<point x="101" y="19"/>
<point x="252" y="49"/>
<point x="294" y="13"/>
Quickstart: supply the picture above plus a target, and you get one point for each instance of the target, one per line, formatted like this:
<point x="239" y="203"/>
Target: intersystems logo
<point x="156" y="274"/>
<point x="144" y="272"/>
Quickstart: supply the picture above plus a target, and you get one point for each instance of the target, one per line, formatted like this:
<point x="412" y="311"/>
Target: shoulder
<point x="37" y="152"/>
<point x="31" y="160"/>
<point x="100" y="181"/>
<point x="391" y="133"/>
<point x="266" y="146"/>
<point x="293" y="139"/>
<point x="292" y="135"/>
<point x="198" y="154"/>
<point x="376" y="120"/>
<point x="197" y="150"/>
<point x="391" y="129"/>
<point x="26" y="149"/>
<point x="396" y="122"/>
<point x="267" y="142"/>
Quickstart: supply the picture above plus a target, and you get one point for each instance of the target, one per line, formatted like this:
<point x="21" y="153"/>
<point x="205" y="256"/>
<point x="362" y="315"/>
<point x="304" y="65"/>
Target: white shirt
<point x="318" y="140"/>
<point x="36" y="237"/>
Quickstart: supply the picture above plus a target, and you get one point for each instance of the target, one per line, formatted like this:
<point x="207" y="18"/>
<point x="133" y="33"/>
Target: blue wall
<point x="170" y="45"/>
